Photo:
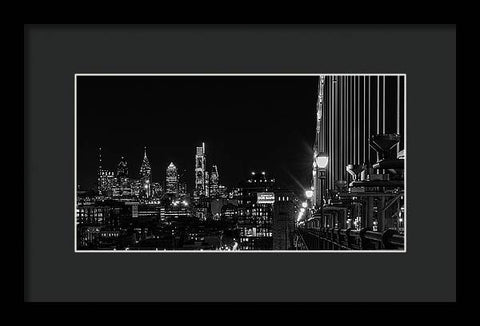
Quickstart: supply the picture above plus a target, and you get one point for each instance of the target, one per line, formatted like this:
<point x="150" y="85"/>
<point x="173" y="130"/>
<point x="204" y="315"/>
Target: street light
<point x="322" y="162"/>
<point x="309" y="193"/>
<point x="304" y="204"/>
<point x="300" y="215"/>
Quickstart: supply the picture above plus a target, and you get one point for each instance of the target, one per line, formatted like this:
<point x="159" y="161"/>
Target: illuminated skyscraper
<point x="146" y="175"/>
<point x="182" y="185"/>
<point x="145" y="169"/>
<point x="207" y="184"/>
<point x="122" y="168"/>
<point x="214" y="178"/>
<point x="200" y="163"/>
<point x="106" y="178"/>
<point x="122" y="185"/>
<point x="172" y="179"/>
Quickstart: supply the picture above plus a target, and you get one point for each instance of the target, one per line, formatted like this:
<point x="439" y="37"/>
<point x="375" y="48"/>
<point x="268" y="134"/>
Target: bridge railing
<point x="350" y="239"/>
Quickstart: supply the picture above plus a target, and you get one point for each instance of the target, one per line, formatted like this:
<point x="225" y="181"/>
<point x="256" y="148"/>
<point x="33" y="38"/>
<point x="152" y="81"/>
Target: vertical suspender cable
<point x="330" y="100"/>
<point x="369" y="114"/>
<point x="344" y="119"/>
<point x="340" y="127"/>
<point x="358" y="120"/>
<point x="383" y="108"/>
<point x="344" y="125"/>
<point x="378" y="104"/>
<point x="384" y="80"/>
<point x="349" y="123"/>
<point x="336" y="137"/>
<point x="353" y="127"/>
<point x="398" y="110"/>
<point x="351" y="144"/>
<point x="364" y="119"/>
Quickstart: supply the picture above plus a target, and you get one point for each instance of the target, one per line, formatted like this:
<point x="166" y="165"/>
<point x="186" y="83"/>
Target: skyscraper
<point x="207" y="184"/>
<point x="105" y="178"/>
<point x="122" y="186"/>
<point x="146" y="175"/>
<point x="122" y="168"/>
<point x="172" y="179"/>
<point x="200" y="163"/>
<point x="214" y="179"/>
<point x="182" y="185"/>
<point x="145" y="169"/>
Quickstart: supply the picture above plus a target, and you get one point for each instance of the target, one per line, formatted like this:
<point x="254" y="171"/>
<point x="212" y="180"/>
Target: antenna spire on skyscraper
<point x="100" y="158"/>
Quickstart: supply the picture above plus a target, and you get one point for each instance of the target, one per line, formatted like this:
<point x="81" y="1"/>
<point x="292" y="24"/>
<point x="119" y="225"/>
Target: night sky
<point x="248" y="123"/>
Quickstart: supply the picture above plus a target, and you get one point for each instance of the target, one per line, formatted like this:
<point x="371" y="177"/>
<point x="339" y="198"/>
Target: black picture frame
<point x="435" y="50"/>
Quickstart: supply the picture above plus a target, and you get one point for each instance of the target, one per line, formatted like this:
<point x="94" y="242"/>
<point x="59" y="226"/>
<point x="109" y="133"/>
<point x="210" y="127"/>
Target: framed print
<point x="240" y="163"/>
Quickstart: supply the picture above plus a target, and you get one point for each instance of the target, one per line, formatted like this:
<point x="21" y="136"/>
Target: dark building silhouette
<point x="283" y="225"/>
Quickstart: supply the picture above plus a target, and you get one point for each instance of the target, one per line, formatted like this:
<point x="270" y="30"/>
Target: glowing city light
<point x="309" y="193"/>
<point x="322" y="161"/>
<point x="304" y="204"/>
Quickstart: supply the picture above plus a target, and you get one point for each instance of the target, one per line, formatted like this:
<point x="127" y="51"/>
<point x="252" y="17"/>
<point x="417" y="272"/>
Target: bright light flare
<point x="322" y="161"/>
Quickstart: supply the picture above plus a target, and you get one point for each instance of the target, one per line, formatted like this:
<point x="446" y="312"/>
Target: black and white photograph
<point x="185" y="166"/>
<point x="240" y="163"/>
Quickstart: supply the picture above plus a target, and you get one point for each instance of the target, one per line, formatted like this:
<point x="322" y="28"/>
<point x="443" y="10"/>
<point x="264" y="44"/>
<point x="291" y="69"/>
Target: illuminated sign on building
<point x="265" y="197"/>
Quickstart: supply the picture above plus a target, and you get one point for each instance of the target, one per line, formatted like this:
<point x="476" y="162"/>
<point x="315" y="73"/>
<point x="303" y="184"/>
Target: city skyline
<point x="146" y="170"/>
<point x="242" y="118"/>
<point x="300" y="168"/>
